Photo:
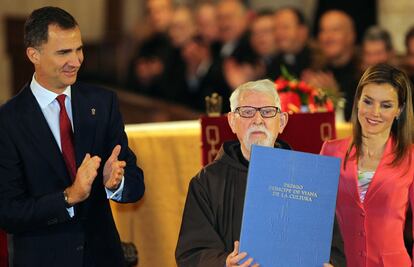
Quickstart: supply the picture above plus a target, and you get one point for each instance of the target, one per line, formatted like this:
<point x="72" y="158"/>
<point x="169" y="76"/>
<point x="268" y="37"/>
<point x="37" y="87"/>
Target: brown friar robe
<point x="213" y="210"/>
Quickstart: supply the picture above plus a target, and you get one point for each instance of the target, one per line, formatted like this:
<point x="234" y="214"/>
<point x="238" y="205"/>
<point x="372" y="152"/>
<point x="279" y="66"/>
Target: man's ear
<point x="33" y="55"/>
<point x="283" y="121"/>
<point x="231" y="120"/>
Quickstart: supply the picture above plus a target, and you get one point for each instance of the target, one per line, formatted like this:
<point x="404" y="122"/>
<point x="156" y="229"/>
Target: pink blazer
<point x="373" y="230"/>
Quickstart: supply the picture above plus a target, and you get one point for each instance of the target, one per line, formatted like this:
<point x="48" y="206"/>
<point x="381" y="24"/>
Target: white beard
<point x="268" y="141"/>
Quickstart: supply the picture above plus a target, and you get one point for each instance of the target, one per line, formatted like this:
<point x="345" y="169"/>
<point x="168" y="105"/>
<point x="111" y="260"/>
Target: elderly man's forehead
<point x="256" y="96"/>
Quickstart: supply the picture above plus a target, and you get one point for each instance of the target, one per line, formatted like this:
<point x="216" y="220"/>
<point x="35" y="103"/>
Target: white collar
<point x="44" y="96"/>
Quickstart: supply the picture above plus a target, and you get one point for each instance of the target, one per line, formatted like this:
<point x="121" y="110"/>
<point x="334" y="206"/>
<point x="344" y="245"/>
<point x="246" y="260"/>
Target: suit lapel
<point x="84" y="114"/>
<point x="379" y="177"/>
<point x="350" y="175"/>
<point x="34" y="123"/>
<point x="84" y="122"/>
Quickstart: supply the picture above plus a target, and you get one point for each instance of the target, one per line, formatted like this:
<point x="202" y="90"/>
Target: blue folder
<point x="289" y="208"/>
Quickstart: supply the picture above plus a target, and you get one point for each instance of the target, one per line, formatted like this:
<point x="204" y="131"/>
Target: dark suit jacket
<point x="33" y="176"/>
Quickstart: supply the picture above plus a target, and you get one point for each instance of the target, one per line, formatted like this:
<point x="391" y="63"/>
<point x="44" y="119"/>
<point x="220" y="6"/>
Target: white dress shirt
<point x="51" y="109"/>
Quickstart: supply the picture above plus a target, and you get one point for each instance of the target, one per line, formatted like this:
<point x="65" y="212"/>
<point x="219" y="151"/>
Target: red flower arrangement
<point x="298" y="96"/>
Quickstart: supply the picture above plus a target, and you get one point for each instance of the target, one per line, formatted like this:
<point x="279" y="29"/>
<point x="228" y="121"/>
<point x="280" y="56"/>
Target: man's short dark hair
<point x="37" y="24"/>
<point x="298" y="14"/>
<point x="265" y="12"/>
<point x="376" y="33"/>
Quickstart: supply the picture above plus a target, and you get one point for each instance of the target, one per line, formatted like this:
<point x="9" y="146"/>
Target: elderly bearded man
<point x="212" y="216"/>
<point x="214" y="207"/>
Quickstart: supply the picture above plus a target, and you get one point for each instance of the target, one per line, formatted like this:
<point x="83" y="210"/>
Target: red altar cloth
<point x="3" y="249"/>
<point x="304" y="132"/>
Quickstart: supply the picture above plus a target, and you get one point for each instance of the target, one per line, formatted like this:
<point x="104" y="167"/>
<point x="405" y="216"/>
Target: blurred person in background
<point x="233" y="56"/>
<point x="243" y="67"/>
<point x="181" y="33"/>
<point x="182" y="27"/>
<point x="199" y="73"/>
<point x="206" y="22"/>
<point x="338" y="68"/>
<point x="408" y="61"/>
<point x="233" y="22"/>
<point x="262" y="37"/>
<point x="292" y="40"/>
<point x="376" y="47"/>
<point x="160" y="14"/>
<point x="148" y="65"/>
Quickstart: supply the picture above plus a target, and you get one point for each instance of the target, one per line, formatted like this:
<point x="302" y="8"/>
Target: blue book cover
<point x="289" y="207"/>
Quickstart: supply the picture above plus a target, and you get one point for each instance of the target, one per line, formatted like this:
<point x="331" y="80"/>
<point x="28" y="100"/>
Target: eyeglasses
<point x="250" y="112"/>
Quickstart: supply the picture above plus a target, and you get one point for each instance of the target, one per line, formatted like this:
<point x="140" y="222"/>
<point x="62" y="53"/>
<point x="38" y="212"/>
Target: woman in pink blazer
<point x="377" y="170"/>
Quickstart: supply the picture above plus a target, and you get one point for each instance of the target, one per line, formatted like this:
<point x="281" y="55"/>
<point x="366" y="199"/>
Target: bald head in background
<point x="338" y="69"/>
<point x="336" y="37"/>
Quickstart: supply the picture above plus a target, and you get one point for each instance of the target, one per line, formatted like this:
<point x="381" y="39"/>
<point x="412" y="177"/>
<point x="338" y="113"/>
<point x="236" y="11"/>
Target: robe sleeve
<point x="199" y="243"/>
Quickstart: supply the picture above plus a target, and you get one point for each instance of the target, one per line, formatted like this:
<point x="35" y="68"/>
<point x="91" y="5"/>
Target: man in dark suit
<point x="292" y="39"/>
<point x="63" y="154"/>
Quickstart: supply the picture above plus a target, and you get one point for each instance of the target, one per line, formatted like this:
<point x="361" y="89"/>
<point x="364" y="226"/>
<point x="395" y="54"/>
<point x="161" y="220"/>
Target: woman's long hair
<point x="402" y="128"/>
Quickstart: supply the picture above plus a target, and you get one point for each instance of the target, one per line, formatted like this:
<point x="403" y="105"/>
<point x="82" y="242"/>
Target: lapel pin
<point x="93" y="111"/>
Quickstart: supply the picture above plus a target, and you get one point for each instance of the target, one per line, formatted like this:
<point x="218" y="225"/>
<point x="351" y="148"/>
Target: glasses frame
<point x="237" y="110"/>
